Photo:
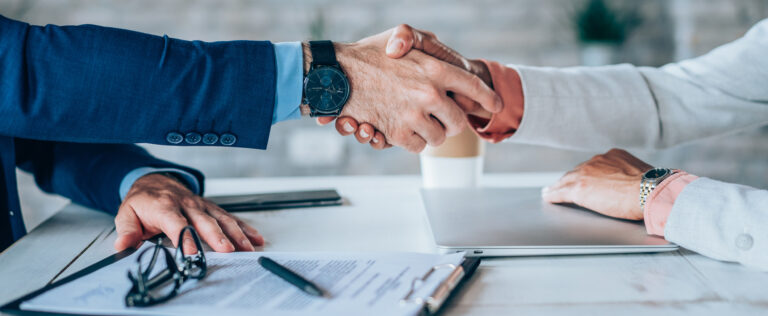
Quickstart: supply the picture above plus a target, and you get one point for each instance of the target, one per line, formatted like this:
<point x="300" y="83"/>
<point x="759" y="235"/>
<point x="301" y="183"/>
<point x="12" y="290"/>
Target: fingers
<point x="208" y="228"/>
<point x="414" y="143"/>
<point x="253" y="235"/>
<point x="471" y="86"/>
<point x="230" y="226"/>
<point x="364" y="133"/>
<point x="379" y="142"/>
<point x="400" y="42"/>
<point x="563" y="191"/>
<point x="561" y="194"/>
<point x="128" y="227"/>
<point x="324" y="120"/>
<point x="346" y="125"/>
<point x="404" y="38"/>
<point x="171" y="223"/>
<point x="451" y="116"/>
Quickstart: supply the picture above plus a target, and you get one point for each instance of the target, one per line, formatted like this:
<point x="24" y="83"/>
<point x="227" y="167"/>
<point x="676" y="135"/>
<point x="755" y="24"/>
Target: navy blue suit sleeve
<point x="97" y="84"/>
<point x="88" y="174"/>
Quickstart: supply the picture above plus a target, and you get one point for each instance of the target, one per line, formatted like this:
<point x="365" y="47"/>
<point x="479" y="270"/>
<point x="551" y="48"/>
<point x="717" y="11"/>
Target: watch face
<point x="656" y="173"/>
<point x="326" y="89"/>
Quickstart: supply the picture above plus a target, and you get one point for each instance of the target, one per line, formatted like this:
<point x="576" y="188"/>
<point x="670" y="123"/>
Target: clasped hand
<point x="408" y="100"/>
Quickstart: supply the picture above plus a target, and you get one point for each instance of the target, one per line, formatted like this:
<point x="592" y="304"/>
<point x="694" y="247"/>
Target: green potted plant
<point x="601" y="31"/>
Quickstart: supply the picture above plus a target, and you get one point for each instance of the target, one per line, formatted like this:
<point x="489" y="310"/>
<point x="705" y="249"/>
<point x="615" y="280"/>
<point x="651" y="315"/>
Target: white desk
<point x="385" y="213"/>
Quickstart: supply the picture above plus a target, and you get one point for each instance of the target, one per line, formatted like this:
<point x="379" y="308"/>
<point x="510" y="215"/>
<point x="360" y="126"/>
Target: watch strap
<point x="323" y="53"/>
<point x="648" y="185"/>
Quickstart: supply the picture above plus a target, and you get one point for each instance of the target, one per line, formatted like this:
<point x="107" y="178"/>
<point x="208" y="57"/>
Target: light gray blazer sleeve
<point x="597" y="108"/>
<point x="723" y="91"/>
<point x="721" y="220"/>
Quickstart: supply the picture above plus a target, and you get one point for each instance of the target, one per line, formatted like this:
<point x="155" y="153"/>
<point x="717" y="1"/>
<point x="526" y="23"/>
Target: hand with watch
<point x="615" y="184"/>
<point x="403" y="39"/>
<point x="407" y="99"/>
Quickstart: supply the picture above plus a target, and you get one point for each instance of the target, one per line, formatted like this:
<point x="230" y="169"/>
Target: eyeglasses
<point x="159" y="278"/>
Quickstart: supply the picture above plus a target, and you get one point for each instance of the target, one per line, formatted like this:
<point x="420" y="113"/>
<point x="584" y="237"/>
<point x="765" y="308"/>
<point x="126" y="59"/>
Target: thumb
<point x="128" y="227"/>
<point x="400" y="42"/>
<point x="557" y="194"/>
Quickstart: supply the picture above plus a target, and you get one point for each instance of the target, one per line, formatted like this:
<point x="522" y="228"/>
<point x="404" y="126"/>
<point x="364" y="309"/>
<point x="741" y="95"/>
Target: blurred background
<point x="533" y="32"/>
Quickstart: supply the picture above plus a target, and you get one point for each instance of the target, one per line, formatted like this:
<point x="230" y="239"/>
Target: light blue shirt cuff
<point x="290" y="75"/>
<point x="131" y="177"/>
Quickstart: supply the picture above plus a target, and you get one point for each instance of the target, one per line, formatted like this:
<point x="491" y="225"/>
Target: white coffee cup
<point x="457" y="163"/>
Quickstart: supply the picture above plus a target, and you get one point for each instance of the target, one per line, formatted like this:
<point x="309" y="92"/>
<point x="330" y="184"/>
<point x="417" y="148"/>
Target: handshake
<point x="418" y="94"/>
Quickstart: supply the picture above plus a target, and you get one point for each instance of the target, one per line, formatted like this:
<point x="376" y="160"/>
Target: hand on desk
<point x="421" y="112"/>
<point x="608" y="184"/>
<point x="158" y="204"/>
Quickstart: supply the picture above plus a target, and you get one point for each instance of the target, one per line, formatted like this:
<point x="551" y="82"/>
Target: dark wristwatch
<point x="651" y="179"/>
<point x="326" y="87"/>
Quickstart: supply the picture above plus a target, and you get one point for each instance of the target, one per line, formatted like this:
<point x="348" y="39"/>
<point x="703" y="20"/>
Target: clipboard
<point x="14" y="307"/>
<point x="433" y="304"/>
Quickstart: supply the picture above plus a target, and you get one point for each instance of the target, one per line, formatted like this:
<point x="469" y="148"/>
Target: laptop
<point x="488" y="222"/>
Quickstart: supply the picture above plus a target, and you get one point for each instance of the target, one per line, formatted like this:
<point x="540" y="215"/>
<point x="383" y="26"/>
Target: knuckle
<point x="208" y="223"/>
<point x="433" y="67"/>
<point x="413" y="117"/>
<point x="438" y="140"/>
<point x="165" y="201"/>
<point x="430" y="95"/>
<point x="228" y="221"/>
<point x="404" y="27"/>
<point x="596" y="158"/>
<point x="581" y="184"/>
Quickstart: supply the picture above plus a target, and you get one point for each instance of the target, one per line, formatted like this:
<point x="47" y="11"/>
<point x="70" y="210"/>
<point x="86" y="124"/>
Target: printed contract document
<point x="358" y="283"/>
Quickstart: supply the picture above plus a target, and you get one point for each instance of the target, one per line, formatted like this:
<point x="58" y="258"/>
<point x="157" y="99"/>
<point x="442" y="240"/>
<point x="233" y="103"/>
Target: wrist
<point x="307" y="56"/>
<point x="326" y="87"/>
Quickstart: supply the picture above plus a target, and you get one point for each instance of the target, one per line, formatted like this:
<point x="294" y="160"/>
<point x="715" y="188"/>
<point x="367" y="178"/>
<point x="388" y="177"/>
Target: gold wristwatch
<point x="651" y="179"/>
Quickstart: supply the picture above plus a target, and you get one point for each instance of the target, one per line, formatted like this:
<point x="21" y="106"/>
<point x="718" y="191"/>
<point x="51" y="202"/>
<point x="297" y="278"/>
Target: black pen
<point x="291" y="277"/>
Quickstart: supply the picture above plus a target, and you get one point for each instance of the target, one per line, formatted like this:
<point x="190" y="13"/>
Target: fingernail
<point x="375" y="140"/>
<point x="247" y="244"/>
<point x="364" y="134"/>
<point x="394" y="46"/>
<point x="544" y="190"/>
<point x="348" y="127"/>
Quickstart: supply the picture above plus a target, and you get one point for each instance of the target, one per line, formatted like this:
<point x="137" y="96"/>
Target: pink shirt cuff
<point x="507" y="84"/>
<point x="661" y="200"/>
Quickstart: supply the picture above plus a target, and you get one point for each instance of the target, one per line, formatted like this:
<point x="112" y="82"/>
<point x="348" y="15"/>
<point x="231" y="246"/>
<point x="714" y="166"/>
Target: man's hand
<point x="608" y="184"/>
<point x="408" y="99"/>
<point x="402" y="40"/>
<point x="158" y="204"/>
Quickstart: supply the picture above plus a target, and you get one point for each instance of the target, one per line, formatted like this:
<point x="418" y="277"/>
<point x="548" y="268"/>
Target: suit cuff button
<point x="174" y="138"/>
<point x="192" y="138"/>
<point x="744" y="242"/>
<point x="228" y="139"/>
<point x="210" y="138"/>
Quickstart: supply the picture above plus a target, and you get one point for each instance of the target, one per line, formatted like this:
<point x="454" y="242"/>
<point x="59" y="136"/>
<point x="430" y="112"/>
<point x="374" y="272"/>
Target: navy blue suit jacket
<point x="64" y="88"/>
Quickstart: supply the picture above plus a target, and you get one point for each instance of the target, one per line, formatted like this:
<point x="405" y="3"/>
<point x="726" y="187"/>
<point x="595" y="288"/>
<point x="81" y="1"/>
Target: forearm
<point x="721" y="220"/>
<point x="592" y="108"/>
<point x="97" y="84"/>
<point x="88" y="174"/>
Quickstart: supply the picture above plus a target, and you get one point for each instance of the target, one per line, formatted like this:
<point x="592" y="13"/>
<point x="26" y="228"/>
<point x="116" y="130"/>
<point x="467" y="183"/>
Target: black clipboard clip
<point x="432" y="304"/>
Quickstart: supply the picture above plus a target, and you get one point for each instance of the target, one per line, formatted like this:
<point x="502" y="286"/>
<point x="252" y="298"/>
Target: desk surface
<point x="384" y="213"/>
